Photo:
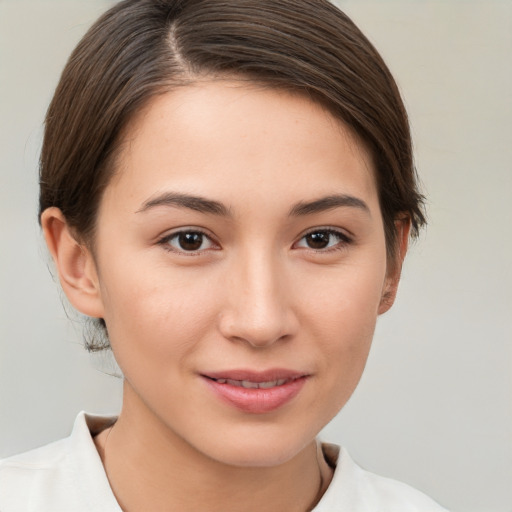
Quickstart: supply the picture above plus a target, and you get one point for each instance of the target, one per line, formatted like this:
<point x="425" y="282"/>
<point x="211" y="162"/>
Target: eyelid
<point x="164" y="240"/>
<point x="345" y="238"/>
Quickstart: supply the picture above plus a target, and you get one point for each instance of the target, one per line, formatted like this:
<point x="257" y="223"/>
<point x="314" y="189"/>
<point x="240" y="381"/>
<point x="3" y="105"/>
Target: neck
<point x="150" y="468"/>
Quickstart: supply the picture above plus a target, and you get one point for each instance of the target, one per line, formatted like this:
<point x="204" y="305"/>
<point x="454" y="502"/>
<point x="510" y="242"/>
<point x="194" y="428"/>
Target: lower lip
<point x="257" y="400"/>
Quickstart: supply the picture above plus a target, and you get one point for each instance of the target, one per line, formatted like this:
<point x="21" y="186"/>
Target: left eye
<point x="189" y="241"/>
<point x="322" y="239"/>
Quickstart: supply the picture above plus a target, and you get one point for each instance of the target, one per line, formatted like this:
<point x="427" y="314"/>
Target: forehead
<point x="224" y="138"/>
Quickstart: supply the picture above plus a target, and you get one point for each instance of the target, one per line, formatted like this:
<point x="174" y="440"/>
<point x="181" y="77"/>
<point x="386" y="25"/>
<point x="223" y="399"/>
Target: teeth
<point x="269" y="384"/>
<point x="253" y="385"/>
<point x="249" y="384"/>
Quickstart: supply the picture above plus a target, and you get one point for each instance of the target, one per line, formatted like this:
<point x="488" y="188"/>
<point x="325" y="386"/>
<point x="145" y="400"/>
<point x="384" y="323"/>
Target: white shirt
<point x="68" y="476"/>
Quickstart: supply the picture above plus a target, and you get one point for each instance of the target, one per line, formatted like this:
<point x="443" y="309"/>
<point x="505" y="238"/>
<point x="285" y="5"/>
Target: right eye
<point x="187" y="241"/>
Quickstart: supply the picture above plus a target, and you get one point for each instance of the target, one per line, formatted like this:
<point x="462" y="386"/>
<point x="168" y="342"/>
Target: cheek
<point x="346" y="300"/>
<point x="345" y="345"/>
<point x="341" y="316"/>
<point x="149" y="311"/>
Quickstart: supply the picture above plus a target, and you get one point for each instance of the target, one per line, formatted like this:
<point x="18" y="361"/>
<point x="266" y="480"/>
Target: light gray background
<point x="434" y="407"/>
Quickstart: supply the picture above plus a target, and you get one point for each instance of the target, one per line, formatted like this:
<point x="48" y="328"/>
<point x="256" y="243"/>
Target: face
<point x="241" y="264"/>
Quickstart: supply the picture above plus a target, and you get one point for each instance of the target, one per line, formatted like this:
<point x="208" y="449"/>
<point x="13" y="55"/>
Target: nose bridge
<point x="258" y="309"/>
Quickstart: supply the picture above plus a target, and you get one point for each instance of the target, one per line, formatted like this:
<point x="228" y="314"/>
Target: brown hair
<point x="140" y="48"/>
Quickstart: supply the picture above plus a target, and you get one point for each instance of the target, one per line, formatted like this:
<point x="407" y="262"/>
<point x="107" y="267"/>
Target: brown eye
<point x="188" y="241"/>
<point x="318" y="240"/>
<point x="323" y="239"/>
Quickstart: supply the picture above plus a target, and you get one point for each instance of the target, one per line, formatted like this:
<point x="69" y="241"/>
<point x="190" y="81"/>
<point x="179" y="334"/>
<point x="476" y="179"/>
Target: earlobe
<point x="74" y="263"/>
<point x="402" y="227"/>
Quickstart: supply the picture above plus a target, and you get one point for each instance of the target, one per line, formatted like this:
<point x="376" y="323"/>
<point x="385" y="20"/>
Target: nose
<point x="258" y="308"/>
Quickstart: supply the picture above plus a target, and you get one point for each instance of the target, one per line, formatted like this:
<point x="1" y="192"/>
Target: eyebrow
<point x="328" y="203"/>
<point x="196" y="203"/>
<point x="212" y="207"/>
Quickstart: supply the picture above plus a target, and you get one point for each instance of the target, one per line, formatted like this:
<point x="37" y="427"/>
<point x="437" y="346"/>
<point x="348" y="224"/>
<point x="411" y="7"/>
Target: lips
<point x="256" y="392"/>
<point x="253" y="385"/>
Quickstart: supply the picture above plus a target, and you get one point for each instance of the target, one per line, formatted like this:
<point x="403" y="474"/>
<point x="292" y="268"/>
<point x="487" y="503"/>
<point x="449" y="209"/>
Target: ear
<point x="74" y="262"/>
<point x="402" y="227"/>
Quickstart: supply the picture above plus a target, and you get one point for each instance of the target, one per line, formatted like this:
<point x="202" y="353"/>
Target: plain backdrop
<point x="434" y="407"/>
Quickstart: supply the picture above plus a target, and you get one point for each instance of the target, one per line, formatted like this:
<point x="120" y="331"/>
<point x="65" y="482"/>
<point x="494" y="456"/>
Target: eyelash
<point x="343" y="241"/>
<point x="165" y="242"/>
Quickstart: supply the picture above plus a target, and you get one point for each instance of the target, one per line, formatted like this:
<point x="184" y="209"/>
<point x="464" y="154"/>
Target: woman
<point x="228" y="189"/>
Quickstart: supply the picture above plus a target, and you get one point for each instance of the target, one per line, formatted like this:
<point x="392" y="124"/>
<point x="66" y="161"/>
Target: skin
<point x="254" y="295"/>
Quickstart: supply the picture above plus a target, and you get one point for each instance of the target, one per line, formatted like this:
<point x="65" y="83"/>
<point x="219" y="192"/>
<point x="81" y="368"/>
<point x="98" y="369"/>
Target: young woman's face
<point x="241" y="265"/>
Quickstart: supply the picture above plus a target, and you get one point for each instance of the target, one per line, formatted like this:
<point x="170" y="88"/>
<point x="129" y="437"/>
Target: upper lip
<point x="270" y="375"/>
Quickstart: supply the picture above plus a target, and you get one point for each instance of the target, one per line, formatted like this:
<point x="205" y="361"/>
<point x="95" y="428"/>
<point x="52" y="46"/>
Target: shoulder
<point x="30" y="476"/>
<point x="355" y="489"/>
<point x="53" y="478"/>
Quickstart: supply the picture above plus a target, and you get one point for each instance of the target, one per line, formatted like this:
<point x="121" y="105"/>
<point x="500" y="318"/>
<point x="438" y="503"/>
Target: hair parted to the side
<point x="141" y="48"/>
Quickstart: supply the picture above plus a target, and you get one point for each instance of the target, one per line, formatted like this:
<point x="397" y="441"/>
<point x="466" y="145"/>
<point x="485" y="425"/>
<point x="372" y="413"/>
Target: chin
<point x="260" y="448"/>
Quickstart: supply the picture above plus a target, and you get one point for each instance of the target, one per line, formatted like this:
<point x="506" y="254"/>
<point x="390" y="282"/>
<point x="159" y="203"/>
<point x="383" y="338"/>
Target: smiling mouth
<point x="256" y="392"/>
